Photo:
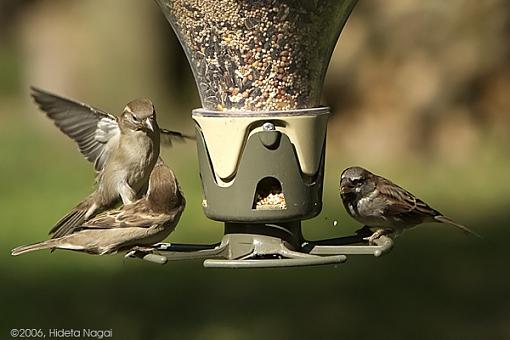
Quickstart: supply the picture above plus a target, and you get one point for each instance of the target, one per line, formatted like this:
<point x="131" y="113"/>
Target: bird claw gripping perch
<point x="146" y="253"/>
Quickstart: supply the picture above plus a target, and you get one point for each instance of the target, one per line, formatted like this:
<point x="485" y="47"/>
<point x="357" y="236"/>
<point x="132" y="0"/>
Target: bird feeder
<point x="259" y="66"/>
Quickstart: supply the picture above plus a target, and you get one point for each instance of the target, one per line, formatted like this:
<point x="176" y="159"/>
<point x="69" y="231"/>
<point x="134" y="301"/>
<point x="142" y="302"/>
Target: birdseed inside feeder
<point x="258" y="55"/>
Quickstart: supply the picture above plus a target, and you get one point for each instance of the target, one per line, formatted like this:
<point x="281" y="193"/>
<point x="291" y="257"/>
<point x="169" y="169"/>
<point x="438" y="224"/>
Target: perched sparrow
<point x="124" y="150"/>
<point x="147" y="221"/>
<point x="384" y="206"/>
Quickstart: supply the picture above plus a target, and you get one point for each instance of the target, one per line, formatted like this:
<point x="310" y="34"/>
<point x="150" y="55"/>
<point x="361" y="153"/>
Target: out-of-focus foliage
<point x="426" y="78"/>
<point x="420" y="94"/>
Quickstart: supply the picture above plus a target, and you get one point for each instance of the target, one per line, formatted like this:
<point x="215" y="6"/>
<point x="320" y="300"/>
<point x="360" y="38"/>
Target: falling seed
<point x="335" y="222"/>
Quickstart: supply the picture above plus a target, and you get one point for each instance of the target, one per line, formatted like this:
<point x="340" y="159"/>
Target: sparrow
<point x="123" y="149"/>
<point x="142" y="223"/>
<point x="383" y="206"/>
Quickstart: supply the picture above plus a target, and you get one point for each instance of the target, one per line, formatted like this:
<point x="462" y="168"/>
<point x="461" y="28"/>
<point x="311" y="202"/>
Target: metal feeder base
<point x="266" y="246"/>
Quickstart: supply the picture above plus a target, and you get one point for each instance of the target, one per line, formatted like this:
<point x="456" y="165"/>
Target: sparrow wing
<point x="401" y="202"/>
<point x="133" y="215"/>
<point x="169" y="137"/>
<point x="92" y="129"/>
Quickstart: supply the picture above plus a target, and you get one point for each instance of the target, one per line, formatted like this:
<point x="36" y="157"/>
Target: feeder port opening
<point x="269" y="195"/>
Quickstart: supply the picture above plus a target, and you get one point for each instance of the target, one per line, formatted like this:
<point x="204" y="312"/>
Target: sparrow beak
<point x="148" y="124"/>
<point x="345" y="187"/>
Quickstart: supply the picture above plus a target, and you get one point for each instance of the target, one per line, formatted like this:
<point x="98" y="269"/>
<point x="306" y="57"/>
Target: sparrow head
<point x="139" y="114"/>
<point x="356" y="181"/>
<point x="163" y="192"/>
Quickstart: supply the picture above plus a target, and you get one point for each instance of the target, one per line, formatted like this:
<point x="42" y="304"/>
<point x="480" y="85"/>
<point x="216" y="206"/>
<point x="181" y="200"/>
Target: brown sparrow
<point x="124" y="150"/>
<point x="144" y="222"/>
<point x="384" y="206"/>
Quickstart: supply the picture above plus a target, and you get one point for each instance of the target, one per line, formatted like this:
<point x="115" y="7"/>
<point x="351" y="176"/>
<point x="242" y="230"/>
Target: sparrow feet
<point x="377" y="234"/>
<point x="364" y="232"/>
<point x="138" y="251"/>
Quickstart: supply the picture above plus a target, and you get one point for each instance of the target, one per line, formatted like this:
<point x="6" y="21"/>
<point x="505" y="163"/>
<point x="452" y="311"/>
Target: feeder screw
<point x="268" y="126"/>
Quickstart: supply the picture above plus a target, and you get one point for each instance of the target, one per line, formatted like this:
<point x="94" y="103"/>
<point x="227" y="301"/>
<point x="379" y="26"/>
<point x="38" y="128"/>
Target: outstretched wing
<point x="169" y="137"/>
<point x="92" y="129"/>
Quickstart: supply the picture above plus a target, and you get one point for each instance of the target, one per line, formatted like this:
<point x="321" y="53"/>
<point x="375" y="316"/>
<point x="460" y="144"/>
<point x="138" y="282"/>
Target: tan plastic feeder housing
<point x="259" y="66"/>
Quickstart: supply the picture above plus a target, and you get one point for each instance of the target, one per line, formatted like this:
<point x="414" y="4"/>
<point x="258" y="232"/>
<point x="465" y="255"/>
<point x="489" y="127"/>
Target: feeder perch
<point x="259" y="66"/>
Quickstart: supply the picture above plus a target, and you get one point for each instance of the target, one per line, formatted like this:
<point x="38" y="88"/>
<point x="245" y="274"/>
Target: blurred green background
<point x="421" y="94"/>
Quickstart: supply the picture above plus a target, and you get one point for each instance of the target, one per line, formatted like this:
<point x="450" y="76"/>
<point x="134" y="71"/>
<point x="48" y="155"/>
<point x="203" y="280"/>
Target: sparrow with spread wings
<point x="123" y="149"/>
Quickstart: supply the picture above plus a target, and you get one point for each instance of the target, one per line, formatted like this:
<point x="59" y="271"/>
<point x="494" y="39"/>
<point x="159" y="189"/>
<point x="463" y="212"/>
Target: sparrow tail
<point x="69" y="222"/>
<point x="36" y="246"/>
<point x="466" y="230"/>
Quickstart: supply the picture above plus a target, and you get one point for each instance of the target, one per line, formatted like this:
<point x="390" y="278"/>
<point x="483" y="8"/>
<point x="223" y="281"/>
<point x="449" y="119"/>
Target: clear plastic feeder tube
<point x="255" y="55"/>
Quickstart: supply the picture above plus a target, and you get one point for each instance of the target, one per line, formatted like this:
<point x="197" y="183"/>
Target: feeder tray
<point x="248" y="250"/>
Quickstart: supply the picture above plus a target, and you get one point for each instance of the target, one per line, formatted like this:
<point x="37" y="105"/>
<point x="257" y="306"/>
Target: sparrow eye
<point x="357" y="181"/>
<point x="133" y="118"/>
